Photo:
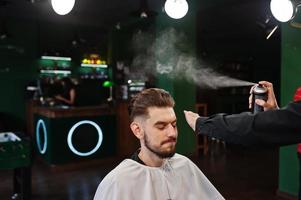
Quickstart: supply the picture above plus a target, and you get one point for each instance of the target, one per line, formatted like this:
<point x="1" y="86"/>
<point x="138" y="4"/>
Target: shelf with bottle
<point x="93" y="67"/>
<point x="55" y="66"/>
<point x="93" y="73"/>
<point x="94" y="62"/>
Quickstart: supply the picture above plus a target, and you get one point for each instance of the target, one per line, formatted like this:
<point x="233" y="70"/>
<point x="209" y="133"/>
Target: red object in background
<point x="297" y="97"/>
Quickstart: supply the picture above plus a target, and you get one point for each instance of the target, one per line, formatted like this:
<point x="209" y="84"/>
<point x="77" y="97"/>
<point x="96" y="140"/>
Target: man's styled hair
<point x="152" y="97"/>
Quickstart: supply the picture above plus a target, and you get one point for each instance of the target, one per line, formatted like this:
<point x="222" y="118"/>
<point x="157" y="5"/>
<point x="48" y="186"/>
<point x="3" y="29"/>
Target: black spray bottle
<point x="259" y="92"/>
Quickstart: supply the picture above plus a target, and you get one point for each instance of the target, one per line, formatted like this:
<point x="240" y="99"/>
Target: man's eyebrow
<point x="164" y="122"/>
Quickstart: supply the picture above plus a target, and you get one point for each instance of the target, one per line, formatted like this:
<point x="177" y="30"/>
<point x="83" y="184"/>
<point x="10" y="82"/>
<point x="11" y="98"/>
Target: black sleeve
<point x="274" y="127"/>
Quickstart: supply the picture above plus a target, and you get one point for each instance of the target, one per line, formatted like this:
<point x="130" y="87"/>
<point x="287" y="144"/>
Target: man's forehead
<point x="161" y="114"/>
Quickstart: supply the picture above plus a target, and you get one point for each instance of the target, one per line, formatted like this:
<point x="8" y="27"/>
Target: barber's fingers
<point x="251" y="90"/>
<point x="261" y="102"/>
<point x="191" y="118"/>
<point x="190" y="115"/>
<point x="264" y="104"/>
<point x="269" y="86"/>
<point x="251" y="96"/>
<point x="272" y="102"/>
<point x="250" y="101"/>
<point x="266" y="84"/>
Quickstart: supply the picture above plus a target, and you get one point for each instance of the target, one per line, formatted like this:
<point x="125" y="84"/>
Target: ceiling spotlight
<point x="3" y="36"/>
<point x="143" y="11"/>
<point x="143" y="14"/>
<point x="62" y="7"/>
<point x="3" y="32"/>
<point x="118" y="26"/>
<point x="176" y="8"/>
<point x="77" y="40"/>
<point x="283" y="10"/>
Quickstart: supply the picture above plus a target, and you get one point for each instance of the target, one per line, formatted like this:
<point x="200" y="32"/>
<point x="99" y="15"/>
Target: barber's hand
<point x="191" y="118"/>
<point x="271" y="103"/>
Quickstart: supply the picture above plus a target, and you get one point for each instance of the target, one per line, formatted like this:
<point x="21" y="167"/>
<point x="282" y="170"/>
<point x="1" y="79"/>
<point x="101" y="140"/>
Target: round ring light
<point x="70" y="134"/>
<point x="41" y="123"/>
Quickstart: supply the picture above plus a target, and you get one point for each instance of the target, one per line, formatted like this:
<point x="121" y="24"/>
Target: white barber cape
<point x="177" y="179"/>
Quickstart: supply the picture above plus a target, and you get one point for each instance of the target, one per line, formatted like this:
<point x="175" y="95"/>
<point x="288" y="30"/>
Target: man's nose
<point x="171" y="130"/>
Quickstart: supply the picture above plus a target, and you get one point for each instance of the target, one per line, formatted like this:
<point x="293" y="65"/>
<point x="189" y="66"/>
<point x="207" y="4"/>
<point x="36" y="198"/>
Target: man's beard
<point x="159" y="153"/>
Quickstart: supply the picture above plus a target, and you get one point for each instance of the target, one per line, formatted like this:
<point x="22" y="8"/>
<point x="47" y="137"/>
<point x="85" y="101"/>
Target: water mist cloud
<point x="169" y="54"/>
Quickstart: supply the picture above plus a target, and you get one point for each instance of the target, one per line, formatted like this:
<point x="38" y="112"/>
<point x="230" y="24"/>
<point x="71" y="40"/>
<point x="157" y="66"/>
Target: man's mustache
<point x="172" y="139"/>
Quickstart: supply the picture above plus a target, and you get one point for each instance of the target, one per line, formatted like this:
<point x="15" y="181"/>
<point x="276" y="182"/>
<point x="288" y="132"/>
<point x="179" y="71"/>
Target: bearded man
<point x="155" y="171"/>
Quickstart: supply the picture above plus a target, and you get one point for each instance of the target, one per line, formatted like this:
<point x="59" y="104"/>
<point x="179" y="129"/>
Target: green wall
<point x="17" y="54"/>
<point x="290" y="80"/>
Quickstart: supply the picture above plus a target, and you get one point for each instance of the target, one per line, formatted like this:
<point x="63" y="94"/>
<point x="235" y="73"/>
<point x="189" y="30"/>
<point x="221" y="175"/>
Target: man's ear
<point x="136" y="129"/>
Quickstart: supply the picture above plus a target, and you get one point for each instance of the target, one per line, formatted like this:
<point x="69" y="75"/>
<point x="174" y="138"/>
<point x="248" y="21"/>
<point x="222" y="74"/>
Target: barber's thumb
<point x="260" y="102"/>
